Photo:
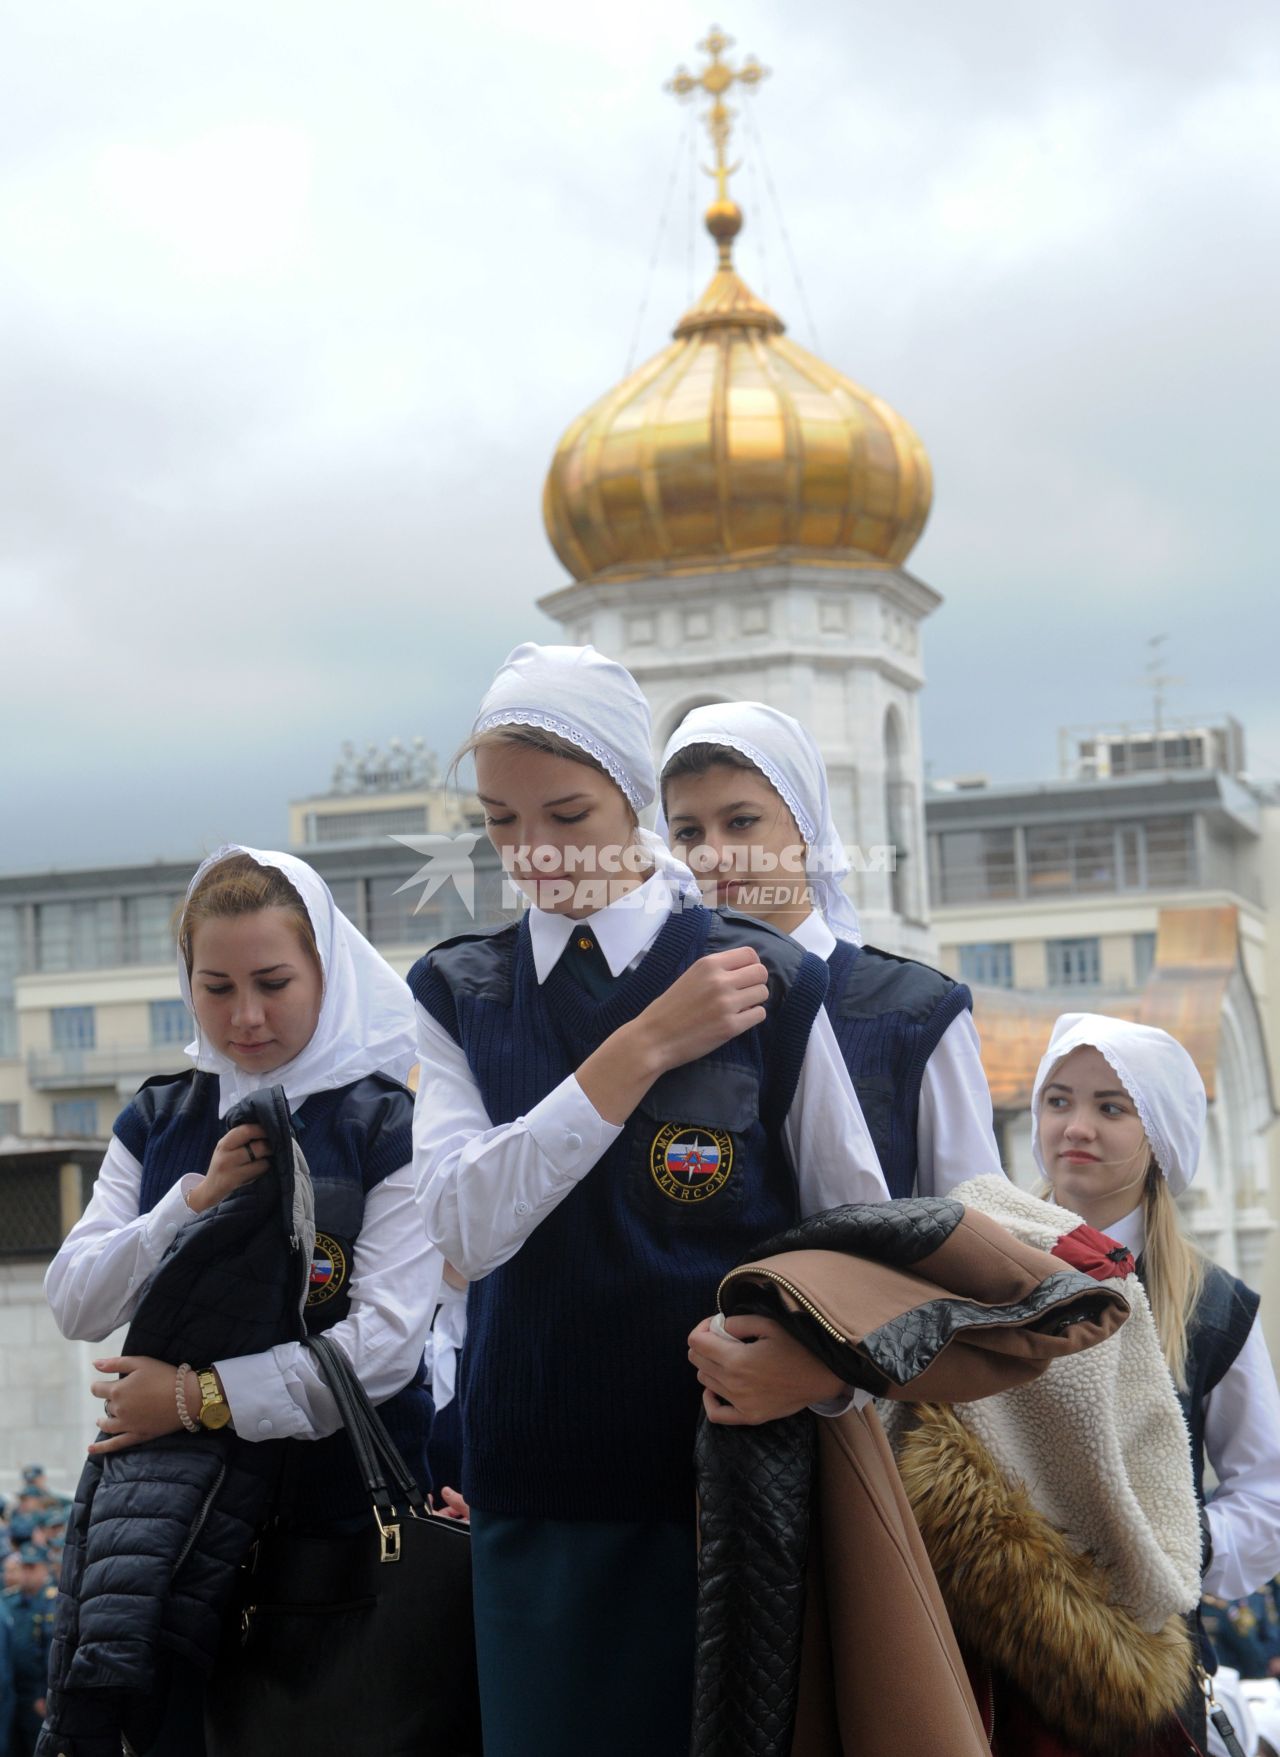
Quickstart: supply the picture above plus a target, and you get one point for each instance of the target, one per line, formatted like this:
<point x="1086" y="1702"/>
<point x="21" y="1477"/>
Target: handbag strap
<point x="1218" y="1717"/>
<point x="1227" y="1733"/>
<point x="383" y="1470"/>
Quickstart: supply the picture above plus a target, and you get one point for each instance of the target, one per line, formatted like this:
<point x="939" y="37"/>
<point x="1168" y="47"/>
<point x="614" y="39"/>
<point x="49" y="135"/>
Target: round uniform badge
<point x="689" y="1164"/>
<point x="328" y="1270"/>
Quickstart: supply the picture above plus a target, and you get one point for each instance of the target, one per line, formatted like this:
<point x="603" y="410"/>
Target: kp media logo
<point x="446" y="861"/>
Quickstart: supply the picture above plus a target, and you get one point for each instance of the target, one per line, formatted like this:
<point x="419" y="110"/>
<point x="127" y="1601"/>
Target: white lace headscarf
<point x="367" y="1023"/>
<point x="1157" y="1073"/>
<point x="593" y="703"/>
<point x="786" y="755"/>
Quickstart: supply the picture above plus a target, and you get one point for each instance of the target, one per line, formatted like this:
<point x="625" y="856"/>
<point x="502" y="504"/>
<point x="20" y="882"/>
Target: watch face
<point x="215" y="1415"/>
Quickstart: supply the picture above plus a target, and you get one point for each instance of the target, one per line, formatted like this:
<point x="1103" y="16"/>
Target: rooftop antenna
<point x="1158" y="682"/>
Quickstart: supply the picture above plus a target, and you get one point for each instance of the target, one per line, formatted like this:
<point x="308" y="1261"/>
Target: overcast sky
<point x="296" y="299"/>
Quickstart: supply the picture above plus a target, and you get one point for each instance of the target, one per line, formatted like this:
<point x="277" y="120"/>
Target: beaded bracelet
<point x="180" y="1398"/>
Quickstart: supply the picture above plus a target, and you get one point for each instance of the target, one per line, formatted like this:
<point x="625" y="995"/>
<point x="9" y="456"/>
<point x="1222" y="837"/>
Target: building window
<point x="899" y="813"/>
<point x="366" y="826"/>
<point x="1135" y="756"/>
<point x="395" y="919"/>
<point x="977" y="864"/>
<point x="347" y="894"/>
<point x="72" y="1027"/>
<point x="170" y="1023"/>
<point x="1171" y="857"/>
<point x="1130" y="857"/>
<point x="75" y="1116"/>
<point x="8" y="1119"/>
<point x="76" y="936"/>
<point x="10" y="941"/>
<point x="1071" y="857"/>
<point x="1074" y="963"/>
<point x="148" y="931"/>
<point x="30" y="1212"/>
<point x="1078" y="858"/>
<point x="1144" y="957"/>
<point x="990" y="964"/>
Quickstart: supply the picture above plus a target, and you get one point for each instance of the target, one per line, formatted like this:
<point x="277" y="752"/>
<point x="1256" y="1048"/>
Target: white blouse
<point x="94" y="1282"/>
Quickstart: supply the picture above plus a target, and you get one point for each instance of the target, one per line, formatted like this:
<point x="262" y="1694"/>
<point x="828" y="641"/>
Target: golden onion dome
<point x="734" y="446"/>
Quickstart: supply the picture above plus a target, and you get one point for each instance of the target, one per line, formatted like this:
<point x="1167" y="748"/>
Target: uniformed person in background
<point x="30" y="1505"/>
<point x="6" y="1673"/>
<point x="36" y="1484"/>
<point x="22" y="1529"/>
<point x="30" y="1610"/>
<point x="1245" y="1631"/>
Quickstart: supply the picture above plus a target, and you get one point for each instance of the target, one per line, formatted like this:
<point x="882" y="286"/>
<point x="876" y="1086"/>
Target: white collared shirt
<point x="1242" y="1444"/>
<point x="94" y="1283"/>
<point x="482" y="1190"/>
<point x="955" y="1133"/>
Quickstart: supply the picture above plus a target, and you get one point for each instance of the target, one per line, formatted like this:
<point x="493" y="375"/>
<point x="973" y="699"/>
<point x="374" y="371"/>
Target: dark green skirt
<point x="584" y="1632"/>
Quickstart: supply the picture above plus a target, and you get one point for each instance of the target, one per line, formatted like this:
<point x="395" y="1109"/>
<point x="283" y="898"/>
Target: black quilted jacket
<point x="754" y="1482"/>
<point x="159" y="1530"/>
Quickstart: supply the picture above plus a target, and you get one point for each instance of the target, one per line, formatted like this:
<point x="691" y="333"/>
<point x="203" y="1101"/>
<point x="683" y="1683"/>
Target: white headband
<point x="591" y="701"/>
<point x="1157" y="1073"/>
<point x="367" y="1022"/>
<point x="788" y="758"/>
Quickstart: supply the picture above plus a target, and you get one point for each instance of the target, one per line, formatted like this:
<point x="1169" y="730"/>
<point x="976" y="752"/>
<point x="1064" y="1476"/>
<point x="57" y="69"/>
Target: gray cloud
<point x="297" y="303"/>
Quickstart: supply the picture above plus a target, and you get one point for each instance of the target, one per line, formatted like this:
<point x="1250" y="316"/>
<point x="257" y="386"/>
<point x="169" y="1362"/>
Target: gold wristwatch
<point x="214" y="1411"/>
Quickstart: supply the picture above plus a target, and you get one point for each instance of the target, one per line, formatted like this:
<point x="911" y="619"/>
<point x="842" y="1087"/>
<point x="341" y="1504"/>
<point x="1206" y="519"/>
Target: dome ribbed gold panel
<point x="734" y="446"/>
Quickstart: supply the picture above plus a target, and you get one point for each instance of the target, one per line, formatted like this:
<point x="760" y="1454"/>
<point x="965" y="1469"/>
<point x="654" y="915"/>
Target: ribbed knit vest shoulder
<point x="889" y="1015"/>
<point x="577" y="1397"/>
<point x="352" y="1138"/>
<point x="1218" y="1330"/>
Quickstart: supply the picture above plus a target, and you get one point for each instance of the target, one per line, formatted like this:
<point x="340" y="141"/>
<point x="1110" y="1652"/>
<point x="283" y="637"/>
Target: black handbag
<point x="363" y="1644"/>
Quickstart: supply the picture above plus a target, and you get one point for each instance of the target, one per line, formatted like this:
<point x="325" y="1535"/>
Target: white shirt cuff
<point x="252" y="1386"/>
<point x="170" y="1214"/>
<point x="569" y="1131"/>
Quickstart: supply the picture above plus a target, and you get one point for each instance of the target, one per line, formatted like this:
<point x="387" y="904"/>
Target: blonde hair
<point x="1174" y="1273"/>
<point x="239" y="886"/>
<point x="538" y="738"/>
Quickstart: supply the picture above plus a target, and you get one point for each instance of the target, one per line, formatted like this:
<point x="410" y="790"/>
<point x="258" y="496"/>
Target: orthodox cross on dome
<point x="724" y="217"/>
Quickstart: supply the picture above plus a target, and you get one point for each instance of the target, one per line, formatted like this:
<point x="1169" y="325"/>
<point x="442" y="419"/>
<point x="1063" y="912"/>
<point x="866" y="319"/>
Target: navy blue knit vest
<point x="1218" y="1330"/>
<point x="352" y="1138"/>
<point x="889" y="1015"/>
<point x="577" y="1397"/>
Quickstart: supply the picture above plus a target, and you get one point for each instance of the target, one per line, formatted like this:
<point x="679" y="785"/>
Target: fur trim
<point x="1023" y="1599"/>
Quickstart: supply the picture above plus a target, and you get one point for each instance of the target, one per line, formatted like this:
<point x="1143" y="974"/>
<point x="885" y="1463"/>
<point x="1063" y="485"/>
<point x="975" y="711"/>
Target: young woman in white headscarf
<point x="1119" y="1112"/>
<point x="745" y="800"/>
<point x="284" y="991"/>
<point x="619" y="1095"/>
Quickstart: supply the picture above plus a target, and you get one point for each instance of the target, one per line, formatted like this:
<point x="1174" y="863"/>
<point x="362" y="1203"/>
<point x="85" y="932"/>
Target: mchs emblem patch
<point x="328" y="1270"/>
<point x="690" y="1164"/>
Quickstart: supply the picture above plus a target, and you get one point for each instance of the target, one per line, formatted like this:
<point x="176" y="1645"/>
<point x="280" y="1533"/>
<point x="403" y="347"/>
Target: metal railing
<point x="52" y="1069"/>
